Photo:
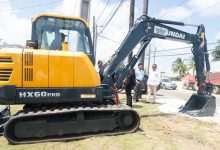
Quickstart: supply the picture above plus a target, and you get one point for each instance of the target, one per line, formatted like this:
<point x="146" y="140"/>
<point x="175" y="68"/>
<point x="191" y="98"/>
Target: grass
<point x="157" y="131"/>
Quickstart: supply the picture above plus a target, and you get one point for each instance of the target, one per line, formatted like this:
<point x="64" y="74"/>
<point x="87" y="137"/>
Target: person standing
<point x="139" y="77"/>
<point x="99" y="67"/>
<point x="129" y="82"/>
<point x="153" y="82"/>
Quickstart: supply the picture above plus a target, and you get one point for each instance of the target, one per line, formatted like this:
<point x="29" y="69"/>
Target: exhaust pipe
<point x="200" y="106"/>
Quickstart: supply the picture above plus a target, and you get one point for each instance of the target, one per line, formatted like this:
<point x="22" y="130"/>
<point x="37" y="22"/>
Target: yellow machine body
<point x="45" y="68"/>
<point x="55" y="79"/>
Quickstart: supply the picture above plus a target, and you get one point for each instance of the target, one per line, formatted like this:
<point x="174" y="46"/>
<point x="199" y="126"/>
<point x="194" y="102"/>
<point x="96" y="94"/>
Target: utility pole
<point x="94" y="37"/>
<point x="131" y="23"/>
<point x="149" y="54"/>
<point x="155" y="49"/>
<point x="85" y="9"/>
<point x="145" y="12"/>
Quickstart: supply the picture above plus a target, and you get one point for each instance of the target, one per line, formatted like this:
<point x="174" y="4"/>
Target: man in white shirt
<point x="139" y="77"/>
<point x="153" y="82"/>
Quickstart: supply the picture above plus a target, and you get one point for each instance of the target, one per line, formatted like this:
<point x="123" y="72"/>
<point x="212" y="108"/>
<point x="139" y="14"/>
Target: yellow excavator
<point x="63" y="96"/>
<point x="56" y="79"/>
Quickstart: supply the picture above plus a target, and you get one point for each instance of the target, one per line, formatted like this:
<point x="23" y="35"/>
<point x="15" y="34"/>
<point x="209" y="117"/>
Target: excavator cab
<point x="53" y="32"/>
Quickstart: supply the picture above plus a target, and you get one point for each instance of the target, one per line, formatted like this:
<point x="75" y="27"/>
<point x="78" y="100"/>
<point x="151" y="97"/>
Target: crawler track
<point x="69" y="123"/>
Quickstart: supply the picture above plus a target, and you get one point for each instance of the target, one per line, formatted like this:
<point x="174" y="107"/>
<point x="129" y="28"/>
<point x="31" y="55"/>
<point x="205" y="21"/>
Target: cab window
<point x="50" y="32"/>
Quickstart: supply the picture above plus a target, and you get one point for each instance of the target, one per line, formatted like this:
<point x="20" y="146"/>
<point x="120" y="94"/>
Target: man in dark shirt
<point x="129" y="82"/>
<point x="57" y="42"/>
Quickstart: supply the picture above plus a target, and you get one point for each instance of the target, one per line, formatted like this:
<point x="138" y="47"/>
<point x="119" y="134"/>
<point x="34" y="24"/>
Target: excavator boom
<point x="145" y="29"/>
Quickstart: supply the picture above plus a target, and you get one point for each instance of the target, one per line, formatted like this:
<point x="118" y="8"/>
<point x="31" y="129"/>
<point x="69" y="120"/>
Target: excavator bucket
<point x="200" y="105"/>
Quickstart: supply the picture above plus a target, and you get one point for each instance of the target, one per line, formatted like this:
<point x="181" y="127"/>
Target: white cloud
<point x="14" y="30"/>
<point x="116" y="30"/>
<point x="68" y="7"/>
<point x="165" y="62"/>
<point x="204" y="8"/>
<point x="210" y="7"/>
<point x="178" y="13"/>
<point x="217" y="37"/>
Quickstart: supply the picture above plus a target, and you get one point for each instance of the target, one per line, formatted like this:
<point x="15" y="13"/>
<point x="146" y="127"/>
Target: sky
<point x="16" y="15"/>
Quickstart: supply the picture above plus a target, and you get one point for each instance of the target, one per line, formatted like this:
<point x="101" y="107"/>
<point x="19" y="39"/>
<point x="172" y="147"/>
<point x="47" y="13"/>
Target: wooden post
<point x="131" y="23"/>
<point x="145" y="12"/>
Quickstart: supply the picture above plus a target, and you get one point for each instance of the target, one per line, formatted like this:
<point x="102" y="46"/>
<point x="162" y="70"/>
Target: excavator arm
<point x="144" y="30"/>
<point x="147" y="28"/>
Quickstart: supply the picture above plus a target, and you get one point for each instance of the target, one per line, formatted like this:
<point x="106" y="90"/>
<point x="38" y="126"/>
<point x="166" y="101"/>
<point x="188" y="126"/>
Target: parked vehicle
<point x="190" y="82"/>
<point x="215" y="80"/>
<point x="168" y="84"/>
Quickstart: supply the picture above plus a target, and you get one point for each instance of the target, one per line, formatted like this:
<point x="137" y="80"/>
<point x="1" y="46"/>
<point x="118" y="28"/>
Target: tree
<point x="216" y="52"/>
<point x="191" y="65"/>
<point x="178" y="66"/>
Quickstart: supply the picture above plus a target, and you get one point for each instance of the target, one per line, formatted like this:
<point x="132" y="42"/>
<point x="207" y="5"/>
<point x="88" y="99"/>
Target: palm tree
<point x="191" y="65"/>
<point x="216" y="52"/>
<point x="179" y="66"/>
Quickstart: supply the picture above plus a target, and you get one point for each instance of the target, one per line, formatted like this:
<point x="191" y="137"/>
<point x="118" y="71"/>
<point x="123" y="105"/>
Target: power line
<point x="173" y="55"/>
<point x="109" y="39"/>
<point x="28" y="7"/>
<point x="108" y="49"/>
<point x="201" y="11"/>
<point x="119" y="5"/>
<point x="95" y="8"/>
<point x="102" y="11"/>
<point x="172" y="9"/>
<point x="172" y="49"/>
<point x="112" y="10"/>
<point x="180" y="48"/>
<point x="179" y="54"/>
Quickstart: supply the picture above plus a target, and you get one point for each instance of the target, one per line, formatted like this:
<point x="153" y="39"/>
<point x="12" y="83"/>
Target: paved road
<point x="182" y="94"/>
